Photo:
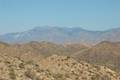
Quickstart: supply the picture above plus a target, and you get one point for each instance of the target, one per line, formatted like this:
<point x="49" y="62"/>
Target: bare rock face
<point x="53" y="68"/>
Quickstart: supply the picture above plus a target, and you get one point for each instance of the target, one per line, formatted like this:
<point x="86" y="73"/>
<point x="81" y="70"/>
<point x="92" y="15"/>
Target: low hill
<point x="104" y="53"/>
<point x="38" y="50"/>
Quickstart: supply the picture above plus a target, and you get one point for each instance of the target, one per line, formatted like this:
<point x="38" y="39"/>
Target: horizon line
<point x="45" y="26"/>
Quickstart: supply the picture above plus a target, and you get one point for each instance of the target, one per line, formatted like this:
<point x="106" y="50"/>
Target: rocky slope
<point x="53" y="68"/>
<point x="105" y="53"/>
<point x="36" y="51"/>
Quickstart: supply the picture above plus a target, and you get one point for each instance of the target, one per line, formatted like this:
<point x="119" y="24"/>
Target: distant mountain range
<point x="62" y="35"/>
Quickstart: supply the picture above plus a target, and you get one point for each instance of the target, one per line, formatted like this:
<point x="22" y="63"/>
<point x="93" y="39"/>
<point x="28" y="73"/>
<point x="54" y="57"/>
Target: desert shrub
<point x="12" y="74"/>
<point x="30" y="74"/>
<point x="59" y="77"/>
<point x="97" y="77"/>
<point x="30" y="62"/>
<point x="21" y="65"/>
<point x="105" y="77"/>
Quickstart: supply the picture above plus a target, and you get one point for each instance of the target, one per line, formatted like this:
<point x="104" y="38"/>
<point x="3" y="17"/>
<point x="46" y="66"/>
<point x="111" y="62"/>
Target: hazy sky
<point x="20" y="15"/>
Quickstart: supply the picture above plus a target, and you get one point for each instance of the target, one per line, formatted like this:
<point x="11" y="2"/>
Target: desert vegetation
<point x="49" y="61"/>
<point x="53" y="68"/>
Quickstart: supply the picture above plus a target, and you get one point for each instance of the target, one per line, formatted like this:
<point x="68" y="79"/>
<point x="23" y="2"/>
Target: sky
<point x="21" y="15"/>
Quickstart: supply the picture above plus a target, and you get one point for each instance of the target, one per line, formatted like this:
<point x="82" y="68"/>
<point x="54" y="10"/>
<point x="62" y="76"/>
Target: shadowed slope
<point x="105" y="53"/>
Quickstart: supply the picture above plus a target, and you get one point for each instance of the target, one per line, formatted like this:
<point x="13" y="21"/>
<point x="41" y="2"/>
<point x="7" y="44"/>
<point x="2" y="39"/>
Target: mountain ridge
<point x="62" y="35"/>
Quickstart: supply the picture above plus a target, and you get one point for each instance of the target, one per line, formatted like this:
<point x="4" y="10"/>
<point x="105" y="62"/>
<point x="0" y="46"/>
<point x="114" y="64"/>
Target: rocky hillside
<point x="53" y="68"/>
<point x="105" y="53"/>
<point x="38" y="50"/>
